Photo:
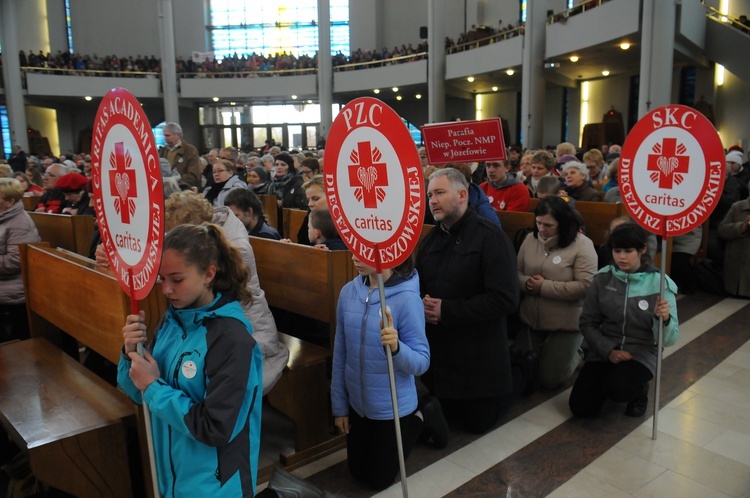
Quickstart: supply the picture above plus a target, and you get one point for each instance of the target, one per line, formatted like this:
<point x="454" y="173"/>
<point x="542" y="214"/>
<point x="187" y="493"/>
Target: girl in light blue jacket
<point x="360" y="388"/>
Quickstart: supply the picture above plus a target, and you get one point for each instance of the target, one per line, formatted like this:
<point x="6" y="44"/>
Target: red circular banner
<point x="671" y="171"/>
<point x="128" y="193"/>
<point x="374" y="183"/>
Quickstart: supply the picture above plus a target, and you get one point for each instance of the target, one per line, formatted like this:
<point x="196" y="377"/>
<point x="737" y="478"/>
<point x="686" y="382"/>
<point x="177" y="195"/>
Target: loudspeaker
<point x="423" y="32"/>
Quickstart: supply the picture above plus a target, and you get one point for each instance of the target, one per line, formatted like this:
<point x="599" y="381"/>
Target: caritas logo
<point x="374" y="183"/>
<point x="672" y="170"/>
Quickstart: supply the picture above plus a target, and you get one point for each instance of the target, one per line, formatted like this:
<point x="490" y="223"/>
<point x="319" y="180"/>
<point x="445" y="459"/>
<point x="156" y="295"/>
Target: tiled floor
<point x="702" y="446"/>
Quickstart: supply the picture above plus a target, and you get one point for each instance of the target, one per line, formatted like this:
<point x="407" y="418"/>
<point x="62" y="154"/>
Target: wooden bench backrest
<point x="271" y="210"/>
<point x="30" y="202"/>
<point x="513" y="221"/>
<point x="293" y="219"/>
<point x="302" y="279"/>
<point x="597" y="216"/>
<point x="72" y="294"/>
<point x="69" y="232"/>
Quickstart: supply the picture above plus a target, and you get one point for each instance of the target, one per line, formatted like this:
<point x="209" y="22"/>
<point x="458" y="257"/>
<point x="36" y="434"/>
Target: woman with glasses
<point x="225" y="179"/>
<point x="287" y="184"/>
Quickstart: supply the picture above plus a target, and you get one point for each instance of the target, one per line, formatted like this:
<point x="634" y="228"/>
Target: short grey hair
<point x="577" y="165"/>
<point x="268" y="158"/>
<point x="457" y="179"/>
<point x="173" y="128"/>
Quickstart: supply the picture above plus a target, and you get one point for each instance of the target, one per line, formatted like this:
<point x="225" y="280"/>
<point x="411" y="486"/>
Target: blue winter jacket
<point x="206" y="407"/>
<point x="360" y="367"/>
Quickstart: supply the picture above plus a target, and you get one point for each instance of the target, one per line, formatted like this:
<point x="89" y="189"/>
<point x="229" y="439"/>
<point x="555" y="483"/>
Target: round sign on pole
<point x="374" y="183"/>
<point x="671" y="171"/>
<point x="128" y="193"/>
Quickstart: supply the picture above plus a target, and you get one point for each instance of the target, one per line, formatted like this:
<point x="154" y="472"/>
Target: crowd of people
<point x="451" y="310"/>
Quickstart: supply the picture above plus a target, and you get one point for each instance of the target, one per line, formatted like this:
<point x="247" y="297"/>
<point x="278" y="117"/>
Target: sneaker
<point x="288" y="485"/>
<point x="435" y="427"/>
<point x="637" y="407"/>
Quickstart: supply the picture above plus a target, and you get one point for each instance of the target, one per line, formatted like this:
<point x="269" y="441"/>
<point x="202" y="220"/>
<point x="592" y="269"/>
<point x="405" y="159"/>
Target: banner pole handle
<point x="660" y="339"/>
<point x="391" y="377"/>
<point x="146" y="412"/>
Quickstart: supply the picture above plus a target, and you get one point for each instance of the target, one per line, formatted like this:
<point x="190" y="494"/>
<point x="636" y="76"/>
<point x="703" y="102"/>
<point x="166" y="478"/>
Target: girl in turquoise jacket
<point x="202" y="372"/>
<point x="620" y="322"/>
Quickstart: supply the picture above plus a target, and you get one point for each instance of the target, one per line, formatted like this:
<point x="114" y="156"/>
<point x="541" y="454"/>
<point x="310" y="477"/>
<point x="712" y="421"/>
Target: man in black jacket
<point x="468" y="278"/>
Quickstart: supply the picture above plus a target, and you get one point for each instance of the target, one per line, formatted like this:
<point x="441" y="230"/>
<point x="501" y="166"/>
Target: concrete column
<point x="168" y="68"/>
<point x="436" y="60"/>
<point x="14" y="99"/>
<point x="325" y="67"/>
<point x="532" y="78"/>
<point x="657" y="54"/>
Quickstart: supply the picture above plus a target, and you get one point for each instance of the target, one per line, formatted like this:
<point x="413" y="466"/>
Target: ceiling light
<point x="398" y="97"/>
<point x="605" y="73"/>
<point x="624" y="45"/>
<point x="573" y="58"/>
<point x="510" y="72"/>
<point x="87" y="98"/>
<point x="215" y="99"/>
<point x="233" y="103"/>
<point x="418" y="96"/>
<point x="470" y="79"/>
<point x="376" y="91"/>
<point x="395" y="89"/>
<point x="494" y="89"/>
<point x="294" y="97"/>
<point x="309" y="101"/>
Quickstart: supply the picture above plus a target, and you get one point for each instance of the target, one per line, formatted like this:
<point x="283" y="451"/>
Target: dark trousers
<point x="372" y="450"/>
<point x="481" y="414"/>
<point x="601" y="380"/>
<point x="14" y="323"/>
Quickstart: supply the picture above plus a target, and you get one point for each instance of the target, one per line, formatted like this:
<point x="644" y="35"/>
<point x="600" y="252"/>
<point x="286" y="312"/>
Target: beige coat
<point x="737" y="252"/>
<point x="567" y="275"/>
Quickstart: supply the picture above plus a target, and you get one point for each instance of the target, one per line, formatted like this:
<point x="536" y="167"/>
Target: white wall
<point x="731" y="102"/>
<point x="57" y="28"/>
<point x="106" y="27"/>
<point x="501" y="105"/>
<point x="190" y="33"/>
<point x="365" y="31"/>
<point x="31" y="26"/>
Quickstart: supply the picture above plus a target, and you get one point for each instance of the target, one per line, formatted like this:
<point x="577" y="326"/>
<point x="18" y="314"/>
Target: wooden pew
<point x="293" y="219"/>
<point x="69" y="232"/>
<point x="71" y="423"/>
<point x="271" y="210"/>
<point x="306" y="281"/>
<point x="30" y="202"/>
<point x="597" y="216"/>
<point x="515" y="221"/>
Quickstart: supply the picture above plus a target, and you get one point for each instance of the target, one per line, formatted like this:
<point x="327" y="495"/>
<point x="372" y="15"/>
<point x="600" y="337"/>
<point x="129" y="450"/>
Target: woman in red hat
<point x="73" y="185"/>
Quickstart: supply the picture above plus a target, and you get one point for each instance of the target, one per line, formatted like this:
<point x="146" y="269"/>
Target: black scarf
<point x="212" y="193"/>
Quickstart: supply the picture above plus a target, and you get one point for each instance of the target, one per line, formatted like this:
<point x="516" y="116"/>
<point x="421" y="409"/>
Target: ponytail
<point x="205" y="245"/>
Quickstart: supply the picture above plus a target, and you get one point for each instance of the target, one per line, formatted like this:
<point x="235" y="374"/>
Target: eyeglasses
<point x="306" y="172"/>
<point x="49" y="175"/>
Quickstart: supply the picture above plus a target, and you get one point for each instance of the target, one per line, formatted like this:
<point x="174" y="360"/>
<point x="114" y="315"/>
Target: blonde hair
<point x="315" y="181"/>
<point x="10" y="188"/>
<point x="6" y="171"/>
<point x="186" y="208"/>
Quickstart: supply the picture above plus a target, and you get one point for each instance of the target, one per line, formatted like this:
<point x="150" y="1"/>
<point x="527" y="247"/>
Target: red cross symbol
<point x="367" y="175"/>
<point x="667" y="163"/>
<point x="122" y="181"/>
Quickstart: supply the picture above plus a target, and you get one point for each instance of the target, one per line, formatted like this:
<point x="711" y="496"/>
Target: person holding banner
<point x="201" y="374"/>
<point x="620" y="321"/>
<point x="360" y="389"/>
